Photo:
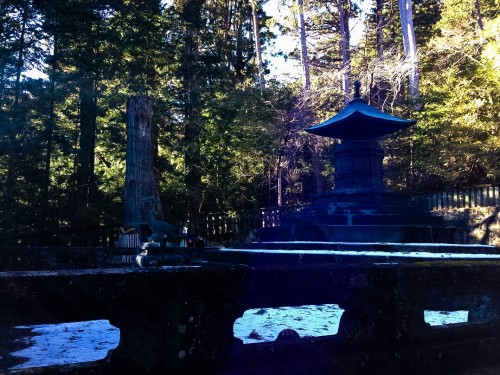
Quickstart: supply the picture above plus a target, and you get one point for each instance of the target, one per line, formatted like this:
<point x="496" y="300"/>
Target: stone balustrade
<point x="179" y="319"/>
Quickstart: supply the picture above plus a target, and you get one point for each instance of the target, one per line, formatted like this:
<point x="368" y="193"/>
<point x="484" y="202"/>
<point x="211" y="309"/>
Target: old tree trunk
<point x="410" y="47"/>
<point x="141" y="193"/>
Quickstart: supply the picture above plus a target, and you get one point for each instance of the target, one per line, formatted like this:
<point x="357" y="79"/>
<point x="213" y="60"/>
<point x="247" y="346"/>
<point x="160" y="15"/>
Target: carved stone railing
<point x="179" y="320"/>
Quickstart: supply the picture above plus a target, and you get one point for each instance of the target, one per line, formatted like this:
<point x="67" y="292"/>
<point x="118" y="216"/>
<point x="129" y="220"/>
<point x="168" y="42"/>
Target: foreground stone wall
<point x="179" y="320"/>
<point x="481" y="224"/>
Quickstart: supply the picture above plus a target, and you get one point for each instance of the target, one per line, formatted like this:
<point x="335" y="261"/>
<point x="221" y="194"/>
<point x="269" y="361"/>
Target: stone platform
<point x="363" y="222"/>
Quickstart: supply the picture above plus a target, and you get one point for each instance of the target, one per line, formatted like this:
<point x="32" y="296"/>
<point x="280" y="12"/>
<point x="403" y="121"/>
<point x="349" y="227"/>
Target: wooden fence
<point x="237" y="226"/>
<point x="483" y="196"/>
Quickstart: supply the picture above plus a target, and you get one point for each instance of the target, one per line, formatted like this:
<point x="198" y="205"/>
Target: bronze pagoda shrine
<point x="360" y="208"/>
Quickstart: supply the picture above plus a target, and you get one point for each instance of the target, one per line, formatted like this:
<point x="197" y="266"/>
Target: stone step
<point x="397" y="219"/>
<point x="323" y="218"/>
<point x="371" y="246"/>
<point x="377" y="254"/>
<point x="361" y="233"/>
<point x="374" y="210"/>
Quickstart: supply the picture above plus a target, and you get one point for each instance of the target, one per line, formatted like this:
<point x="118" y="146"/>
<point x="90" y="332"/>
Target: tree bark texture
<point x="479" y="16"/>
<point x="258" y="48"/>
<point x="84" y="160"/>
<point x="10" y="183"/>
<point x="380" y="31"/>
<point x="306" y="114"/>
<point x="344" y="47"/>
<point x="280" y="186"/>
<point x="306" y="77"/>
<point x="141" y="193"/>
<point x="49" y="132"/>
<point x="191" y="16"/>
<point x="410" y="46"/>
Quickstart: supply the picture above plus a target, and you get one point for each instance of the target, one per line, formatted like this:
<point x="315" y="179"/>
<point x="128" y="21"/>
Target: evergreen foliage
<point x="225" y="141"/>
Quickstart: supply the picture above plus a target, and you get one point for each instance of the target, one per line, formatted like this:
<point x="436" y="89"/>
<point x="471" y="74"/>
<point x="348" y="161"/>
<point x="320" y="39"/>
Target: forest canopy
<point x="228" y="136"/>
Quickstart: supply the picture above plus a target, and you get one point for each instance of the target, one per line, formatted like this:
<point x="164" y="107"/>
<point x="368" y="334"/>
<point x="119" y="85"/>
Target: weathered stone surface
<point x="50" y="258"/>
<point x="358" y="233"/>
<point x="480" y="224"/>
<point x="179" y="320"/>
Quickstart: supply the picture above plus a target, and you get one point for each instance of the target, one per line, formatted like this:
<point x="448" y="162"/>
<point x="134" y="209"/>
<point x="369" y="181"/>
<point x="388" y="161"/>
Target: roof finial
<point x="357" y="86"/>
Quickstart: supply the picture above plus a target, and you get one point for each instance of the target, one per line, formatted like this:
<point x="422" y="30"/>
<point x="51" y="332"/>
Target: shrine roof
<point x="358" y="120"/>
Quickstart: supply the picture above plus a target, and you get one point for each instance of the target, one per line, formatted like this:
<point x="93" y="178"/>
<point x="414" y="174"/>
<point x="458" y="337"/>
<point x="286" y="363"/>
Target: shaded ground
<point x="13" y="339"/>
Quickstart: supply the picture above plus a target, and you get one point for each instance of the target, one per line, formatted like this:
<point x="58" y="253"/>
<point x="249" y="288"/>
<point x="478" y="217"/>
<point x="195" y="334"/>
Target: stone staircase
<point x="361" y="222"/>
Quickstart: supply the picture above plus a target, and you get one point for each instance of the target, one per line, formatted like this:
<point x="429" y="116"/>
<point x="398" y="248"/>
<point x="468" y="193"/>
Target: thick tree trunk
<point x="316" y="164"/>
<point x="10" y="182"/>
<point x="410" y="46"/>
<point x="280" y="186"/>
<point x="479" y="17"/>
<point x="141" y="193"/>
<point x="378" y="91"/>
<point x="49" y="133"/>
<point x="20" y="57"/>
<point x="191" y="15"/>
<point x="258" y="48"/>
<point x="306" y="78"/>
<point x="306" y="115"/>
<point x="240" y="60"/>
<point x="380" y="31"/>
<point x="84" y="161"/>
<point x="344" y="46"/>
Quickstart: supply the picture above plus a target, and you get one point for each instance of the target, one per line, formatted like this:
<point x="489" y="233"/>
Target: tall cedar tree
<point x="19" y="50"/>
<point x="191" y="17"/>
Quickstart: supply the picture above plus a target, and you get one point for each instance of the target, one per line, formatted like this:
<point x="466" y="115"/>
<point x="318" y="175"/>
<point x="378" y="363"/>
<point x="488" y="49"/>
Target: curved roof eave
<point x="359" y="119"/>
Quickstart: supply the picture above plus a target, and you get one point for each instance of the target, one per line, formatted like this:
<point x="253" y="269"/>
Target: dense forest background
<point x="228" y="136"/>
